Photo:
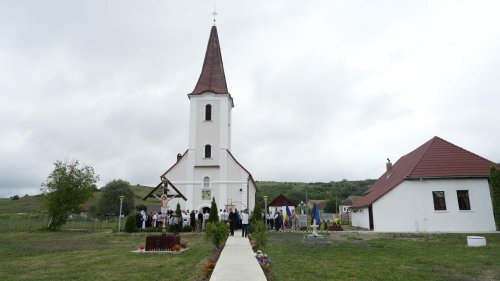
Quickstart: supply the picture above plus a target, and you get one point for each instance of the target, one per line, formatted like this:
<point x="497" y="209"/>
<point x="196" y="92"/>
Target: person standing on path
<point x="232" y="222"/>
<point x="200" y="221"/>
<point x="244" y="223"/>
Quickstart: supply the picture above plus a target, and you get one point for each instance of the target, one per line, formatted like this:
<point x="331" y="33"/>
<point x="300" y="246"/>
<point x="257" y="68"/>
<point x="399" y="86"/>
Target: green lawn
<point x="383" y="257"/>
<point x="96" y="256"/>
<point x="73" y="255"/>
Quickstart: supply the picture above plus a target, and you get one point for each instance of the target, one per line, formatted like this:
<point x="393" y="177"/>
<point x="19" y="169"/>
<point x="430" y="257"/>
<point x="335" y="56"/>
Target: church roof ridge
<point x="212" y="77"/>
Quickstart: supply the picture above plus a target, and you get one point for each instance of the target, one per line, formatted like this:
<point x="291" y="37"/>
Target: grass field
<point x="96" y="256"/>
<point x="371" y="256"/>
<point x="70" y="255"/>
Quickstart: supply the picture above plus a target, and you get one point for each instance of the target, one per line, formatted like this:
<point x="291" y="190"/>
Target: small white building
<point x="207" y="169"/>
<point x="437" y="187"/>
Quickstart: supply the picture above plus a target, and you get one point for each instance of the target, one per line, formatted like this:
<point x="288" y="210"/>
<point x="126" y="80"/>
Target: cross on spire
<point x="214" y="14"/>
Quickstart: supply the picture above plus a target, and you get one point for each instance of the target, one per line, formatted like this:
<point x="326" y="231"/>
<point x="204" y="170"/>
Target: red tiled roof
<point x="212" y="77"/>
<point x="436" y="158"/>
<point x="281" y="200"/>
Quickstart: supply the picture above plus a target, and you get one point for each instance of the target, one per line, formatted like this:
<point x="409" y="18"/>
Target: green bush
<point x="256" y="214"/>
<point x="259" y="234"/>
<point x="130" y="224"/>
<point x="217" y="232"/>
<point x="213" y="216"/>
<point x="187" y="228"/>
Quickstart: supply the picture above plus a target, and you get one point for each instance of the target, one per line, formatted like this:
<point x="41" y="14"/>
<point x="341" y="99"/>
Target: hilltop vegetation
<point x="34" y="204"/>
<point x="296" y="191"/>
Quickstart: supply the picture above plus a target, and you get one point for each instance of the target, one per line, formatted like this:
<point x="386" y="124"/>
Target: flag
<point x="316" y="214"/>
<point x="288" y="213"/>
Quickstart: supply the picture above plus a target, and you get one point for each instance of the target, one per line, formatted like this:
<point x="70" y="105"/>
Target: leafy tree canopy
<point x="109" y="202"/>
<point x="66" y="188"/>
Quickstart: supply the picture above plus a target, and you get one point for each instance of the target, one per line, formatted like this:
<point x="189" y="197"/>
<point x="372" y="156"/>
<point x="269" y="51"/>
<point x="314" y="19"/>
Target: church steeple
<point x="212" y="77"/>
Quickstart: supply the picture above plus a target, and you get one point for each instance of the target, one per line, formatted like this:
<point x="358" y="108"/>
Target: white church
<point x="208" y="169"/>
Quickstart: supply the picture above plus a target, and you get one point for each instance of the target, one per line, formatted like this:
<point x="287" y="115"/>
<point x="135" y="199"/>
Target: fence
<point x="34" y="222"/>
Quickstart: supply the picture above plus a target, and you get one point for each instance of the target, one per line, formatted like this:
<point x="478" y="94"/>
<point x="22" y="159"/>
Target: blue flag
<point x="288" y="213"/>
<point x="316" y="214"/>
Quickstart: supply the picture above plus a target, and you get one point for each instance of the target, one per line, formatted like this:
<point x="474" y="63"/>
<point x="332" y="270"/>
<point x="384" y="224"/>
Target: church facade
<point x="208" y="169"/>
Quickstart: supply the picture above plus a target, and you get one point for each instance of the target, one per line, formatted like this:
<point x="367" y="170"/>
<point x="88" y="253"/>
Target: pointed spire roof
<point x="212" y="77"/>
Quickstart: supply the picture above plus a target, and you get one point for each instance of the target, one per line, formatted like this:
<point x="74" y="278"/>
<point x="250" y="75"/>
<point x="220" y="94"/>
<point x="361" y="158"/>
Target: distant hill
<point x="34" y="204"/>
<point x="295" y="191"/>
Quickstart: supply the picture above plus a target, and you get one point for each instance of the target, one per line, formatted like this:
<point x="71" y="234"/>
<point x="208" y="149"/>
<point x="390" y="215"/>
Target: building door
<point x="370" y="216"/>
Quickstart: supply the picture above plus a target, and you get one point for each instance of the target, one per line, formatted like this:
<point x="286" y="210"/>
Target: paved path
<point x="237" y="261"/>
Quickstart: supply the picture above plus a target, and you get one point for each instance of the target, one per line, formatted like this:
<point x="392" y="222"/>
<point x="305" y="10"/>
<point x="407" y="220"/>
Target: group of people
<point x="196" y="219"/>
<point x="276" y="220"/>
<point x="236" y="220"/>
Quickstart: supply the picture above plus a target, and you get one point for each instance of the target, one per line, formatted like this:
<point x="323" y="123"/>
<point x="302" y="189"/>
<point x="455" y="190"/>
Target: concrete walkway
<point x="237" y="261"/>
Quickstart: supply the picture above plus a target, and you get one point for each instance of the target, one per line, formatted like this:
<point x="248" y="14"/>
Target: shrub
<point x="130" y="224"/>
<point x="213" y="216"/>
<point x="217" y="232"/>
<point x="187" y="228"/>
<point x="256" y="214"/>
<point x="259" y="234"/>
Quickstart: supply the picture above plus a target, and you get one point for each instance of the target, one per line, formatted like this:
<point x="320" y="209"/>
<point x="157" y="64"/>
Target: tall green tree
<point x="495" y="192"/>
<point x="109" y="202"/>
<point x="67" y="187"/>
<point x="331" y="206"/>
<point x="178" y="213"/>
<point x="256" y="214"/>
<point x="213" y="216"/>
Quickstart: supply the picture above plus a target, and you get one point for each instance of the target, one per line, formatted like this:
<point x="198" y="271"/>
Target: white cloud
<point x="323" y="90"/>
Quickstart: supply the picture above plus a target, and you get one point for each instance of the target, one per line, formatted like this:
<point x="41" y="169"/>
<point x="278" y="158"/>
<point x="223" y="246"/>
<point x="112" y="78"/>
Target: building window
<point x="439" y="200"/>
<point x="463" y="199"/>
<point x="208" y="112"/>
<point x="206" y="193"/>
<point x="208" y="151"/>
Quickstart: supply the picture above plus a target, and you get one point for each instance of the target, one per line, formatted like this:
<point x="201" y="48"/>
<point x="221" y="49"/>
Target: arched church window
<point x="208" y="112"/>
<point x="208" y="151"/>
<point x="206" y="183"/>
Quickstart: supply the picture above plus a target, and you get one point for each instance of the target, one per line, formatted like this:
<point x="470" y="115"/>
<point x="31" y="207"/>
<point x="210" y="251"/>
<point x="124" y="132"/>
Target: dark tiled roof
<point x="281" y="200"/>
<point x="212" y="77"/>
<point x="436" y="158"/>
<point x="350" y="200"/>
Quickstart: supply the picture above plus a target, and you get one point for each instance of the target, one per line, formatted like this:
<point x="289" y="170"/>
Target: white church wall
<point x="360" y="218"/>
<point x="410" y="207"/>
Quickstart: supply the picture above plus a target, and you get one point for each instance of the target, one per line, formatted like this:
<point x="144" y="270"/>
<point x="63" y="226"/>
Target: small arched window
<point x="206" y="183"/>
<point x="208" y="112"/>
<point x="208" y="151"/>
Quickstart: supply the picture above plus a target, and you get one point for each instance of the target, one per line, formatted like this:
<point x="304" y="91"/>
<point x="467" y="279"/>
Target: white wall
<point x="410" y="207"/>
<point x="360" y="218"/>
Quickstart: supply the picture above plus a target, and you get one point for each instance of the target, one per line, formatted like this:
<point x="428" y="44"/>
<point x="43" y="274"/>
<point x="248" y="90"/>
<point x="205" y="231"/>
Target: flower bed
<point x="264" y="262"/>
<point x="212" y="261"/>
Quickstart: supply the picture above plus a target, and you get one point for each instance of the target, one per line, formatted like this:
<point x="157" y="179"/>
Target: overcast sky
<point x="323" y="90"/>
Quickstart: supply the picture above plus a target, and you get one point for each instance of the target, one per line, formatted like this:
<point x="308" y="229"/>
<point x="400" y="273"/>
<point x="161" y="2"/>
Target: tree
<point x="130" y="224"/>
<point x="109" y="202"/>
<point x="66" y="188"/>
<point x="495" y="192"/>
<point x="256" y="214"/>
<point x="178" y="213"/>
<point x="331" y="206"/>
<point x="214" y="213"/>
